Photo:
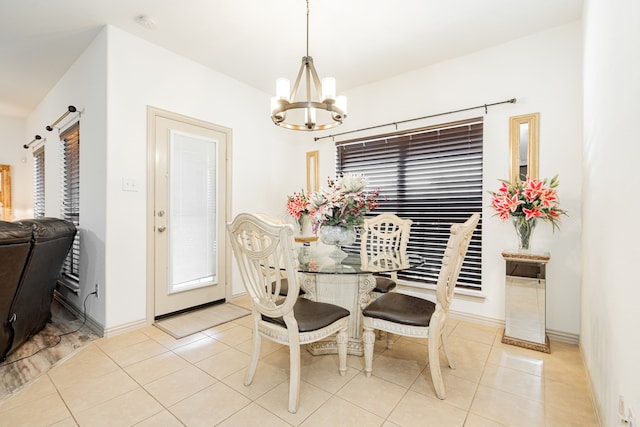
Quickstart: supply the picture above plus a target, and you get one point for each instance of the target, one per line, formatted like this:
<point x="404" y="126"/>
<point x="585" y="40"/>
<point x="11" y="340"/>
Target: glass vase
<point x="305" y="228"/>
<point x="524" y="229"/>
<point x="337" y="236"/>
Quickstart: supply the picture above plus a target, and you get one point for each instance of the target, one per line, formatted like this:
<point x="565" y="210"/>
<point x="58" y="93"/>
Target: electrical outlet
<point x="96" y="290"/>
<point x="627" y="420"/>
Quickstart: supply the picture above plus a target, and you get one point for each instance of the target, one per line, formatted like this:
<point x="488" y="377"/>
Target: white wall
<point x="611" y="289"/>
<point x="112" y="84"/>
<point x="83" y="86"/>
<point x="120" y="75"/>
<point x="139" y="75"/>
<point x="543" y="72"/>
<point x="14" y="136"/>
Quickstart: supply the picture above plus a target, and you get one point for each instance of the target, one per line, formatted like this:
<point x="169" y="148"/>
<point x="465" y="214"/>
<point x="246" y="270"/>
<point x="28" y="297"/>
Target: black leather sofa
<point x="31" y="256"/>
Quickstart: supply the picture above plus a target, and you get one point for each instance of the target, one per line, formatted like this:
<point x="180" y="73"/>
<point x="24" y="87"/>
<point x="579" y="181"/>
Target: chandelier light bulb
<point x="341" y="103"/>
<point x="283" y="87"/>
<point x="329" y="89"/>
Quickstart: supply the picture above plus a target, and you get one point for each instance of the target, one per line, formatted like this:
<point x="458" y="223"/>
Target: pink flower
<point x="531" y="213"/>
<point x="298" y="204"/>
<point x="513" y="202"/>
<point x="530" y="199"/>
<point x="533" y="189"/>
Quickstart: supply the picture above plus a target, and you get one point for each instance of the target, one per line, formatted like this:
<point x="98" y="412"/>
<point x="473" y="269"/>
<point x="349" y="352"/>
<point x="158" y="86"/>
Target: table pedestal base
<point x="351" y="291"/>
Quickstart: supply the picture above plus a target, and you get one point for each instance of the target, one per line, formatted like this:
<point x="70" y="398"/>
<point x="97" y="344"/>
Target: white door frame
<point x="152" y="113"/>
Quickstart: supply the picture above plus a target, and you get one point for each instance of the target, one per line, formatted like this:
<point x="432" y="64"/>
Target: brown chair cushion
<point x="401" y="308"/>
<point x="384" y="285"/>
<point x="312" y="315"/>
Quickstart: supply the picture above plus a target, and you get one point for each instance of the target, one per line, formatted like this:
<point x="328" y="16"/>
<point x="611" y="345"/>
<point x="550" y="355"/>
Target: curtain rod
<point x="70" y="109"/>
<point x="35" y="139"/>
<point x="485" y="106"/>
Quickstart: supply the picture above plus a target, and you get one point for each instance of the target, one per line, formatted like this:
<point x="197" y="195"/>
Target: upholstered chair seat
<point x="400" y="308"/>
<point x="312" y="315"/>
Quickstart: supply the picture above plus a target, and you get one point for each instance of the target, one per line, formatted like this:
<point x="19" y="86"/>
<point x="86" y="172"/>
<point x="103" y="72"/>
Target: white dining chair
<point x="265" y="254"/>
<point x="410" y="316"/>
<point x="383" y="246"/>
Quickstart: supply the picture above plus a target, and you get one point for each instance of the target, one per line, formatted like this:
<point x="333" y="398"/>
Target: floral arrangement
<point x="527" y="200"/>
<point x="343" y="203"/>
<point x="299" y="204"/>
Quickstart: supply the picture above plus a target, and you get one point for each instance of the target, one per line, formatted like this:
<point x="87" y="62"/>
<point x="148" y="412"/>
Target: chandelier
<point x="325" y="112"/>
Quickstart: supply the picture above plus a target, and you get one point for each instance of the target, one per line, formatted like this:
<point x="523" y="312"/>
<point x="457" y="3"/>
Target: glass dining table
<point x="347" y="283"/>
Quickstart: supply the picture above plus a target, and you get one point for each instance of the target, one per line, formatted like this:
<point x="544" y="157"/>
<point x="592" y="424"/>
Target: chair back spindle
<point x="452" y="260"/>
<point x="383" y="242"/>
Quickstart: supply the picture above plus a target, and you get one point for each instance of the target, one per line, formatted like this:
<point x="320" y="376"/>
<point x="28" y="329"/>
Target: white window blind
<point x="434" y="177"/>
<point x="38" y="182"/>
<point x="70" y="209"/>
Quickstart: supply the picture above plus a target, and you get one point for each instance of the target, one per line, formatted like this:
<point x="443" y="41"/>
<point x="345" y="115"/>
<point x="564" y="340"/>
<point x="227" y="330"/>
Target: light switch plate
<point x="129" y="184"/>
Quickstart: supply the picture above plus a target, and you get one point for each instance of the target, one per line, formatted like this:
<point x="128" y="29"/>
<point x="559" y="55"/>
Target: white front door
<point x="189" y="214"/>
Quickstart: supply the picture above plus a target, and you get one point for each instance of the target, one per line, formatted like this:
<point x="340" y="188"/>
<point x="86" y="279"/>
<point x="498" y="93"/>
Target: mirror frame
<point x="312" y="170"/>
<point x="533" y="120"/>
<point x="5" y="192"/>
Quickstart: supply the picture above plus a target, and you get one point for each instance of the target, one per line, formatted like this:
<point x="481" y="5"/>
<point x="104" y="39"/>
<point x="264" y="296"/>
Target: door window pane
<point x="192" y="206"/>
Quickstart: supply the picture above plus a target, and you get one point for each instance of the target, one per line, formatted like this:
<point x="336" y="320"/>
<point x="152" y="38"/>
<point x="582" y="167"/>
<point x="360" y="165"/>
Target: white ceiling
<point x="256" y="41"/>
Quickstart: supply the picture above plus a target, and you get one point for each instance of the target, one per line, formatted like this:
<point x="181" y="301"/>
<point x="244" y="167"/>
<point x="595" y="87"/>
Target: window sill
<point x="419" y="289"/>
<point x="71" y="285"/>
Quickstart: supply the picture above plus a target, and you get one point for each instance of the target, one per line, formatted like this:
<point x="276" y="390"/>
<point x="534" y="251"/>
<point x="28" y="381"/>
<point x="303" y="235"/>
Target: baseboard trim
<point x="566" y="337"/>
<point x="594" y="398"/>
<point x="90" y="322"/>
<point x="127" y="327"/>
<point x="474" y="318"/>
<point x="96" y="327"/>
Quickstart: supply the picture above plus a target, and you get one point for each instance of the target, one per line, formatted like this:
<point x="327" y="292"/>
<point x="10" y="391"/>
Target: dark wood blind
<point x="70" y="209"/>
<point x="432" y="176"/>
<point x="38" y="182"/>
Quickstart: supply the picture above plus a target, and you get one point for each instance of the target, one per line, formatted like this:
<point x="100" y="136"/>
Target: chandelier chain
<point x="307" y="27"/>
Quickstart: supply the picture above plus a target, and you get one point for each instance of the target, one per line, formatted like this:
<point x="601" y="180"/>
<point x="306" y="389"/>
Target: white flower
<point x="351" y="183"/>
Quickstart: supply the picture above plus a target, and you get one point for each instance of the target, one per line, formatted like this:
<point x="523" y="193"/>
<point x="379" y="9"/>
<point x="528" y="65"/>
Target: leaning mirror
<point x="5" y="193"/>
<point x="312" y="170"/>
<point x="524" y="133"/>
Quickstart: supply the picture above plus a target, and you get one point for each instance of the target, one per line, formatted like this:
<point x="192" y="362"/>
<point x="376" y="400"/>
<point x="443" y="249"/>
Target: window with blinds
<point x="434" y="177"/>
<point x="38" y="182"/>
<point x="70" y="209"/>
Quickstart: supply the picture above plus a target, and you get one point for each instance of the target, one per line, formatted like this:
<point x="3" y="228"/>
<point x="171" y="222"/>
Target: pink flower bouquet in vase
<point x="524" y="202"/>
<point x="299" y="207"/>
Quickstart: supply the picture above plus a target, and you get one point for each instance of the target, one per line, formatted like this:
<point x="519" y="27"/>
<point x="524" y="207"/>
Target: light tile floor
<point x="148" y="378"/>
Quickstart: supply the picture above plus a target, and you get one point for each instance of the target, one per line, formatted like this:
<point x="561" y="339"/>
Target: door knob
<point x="162" y="228"/>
